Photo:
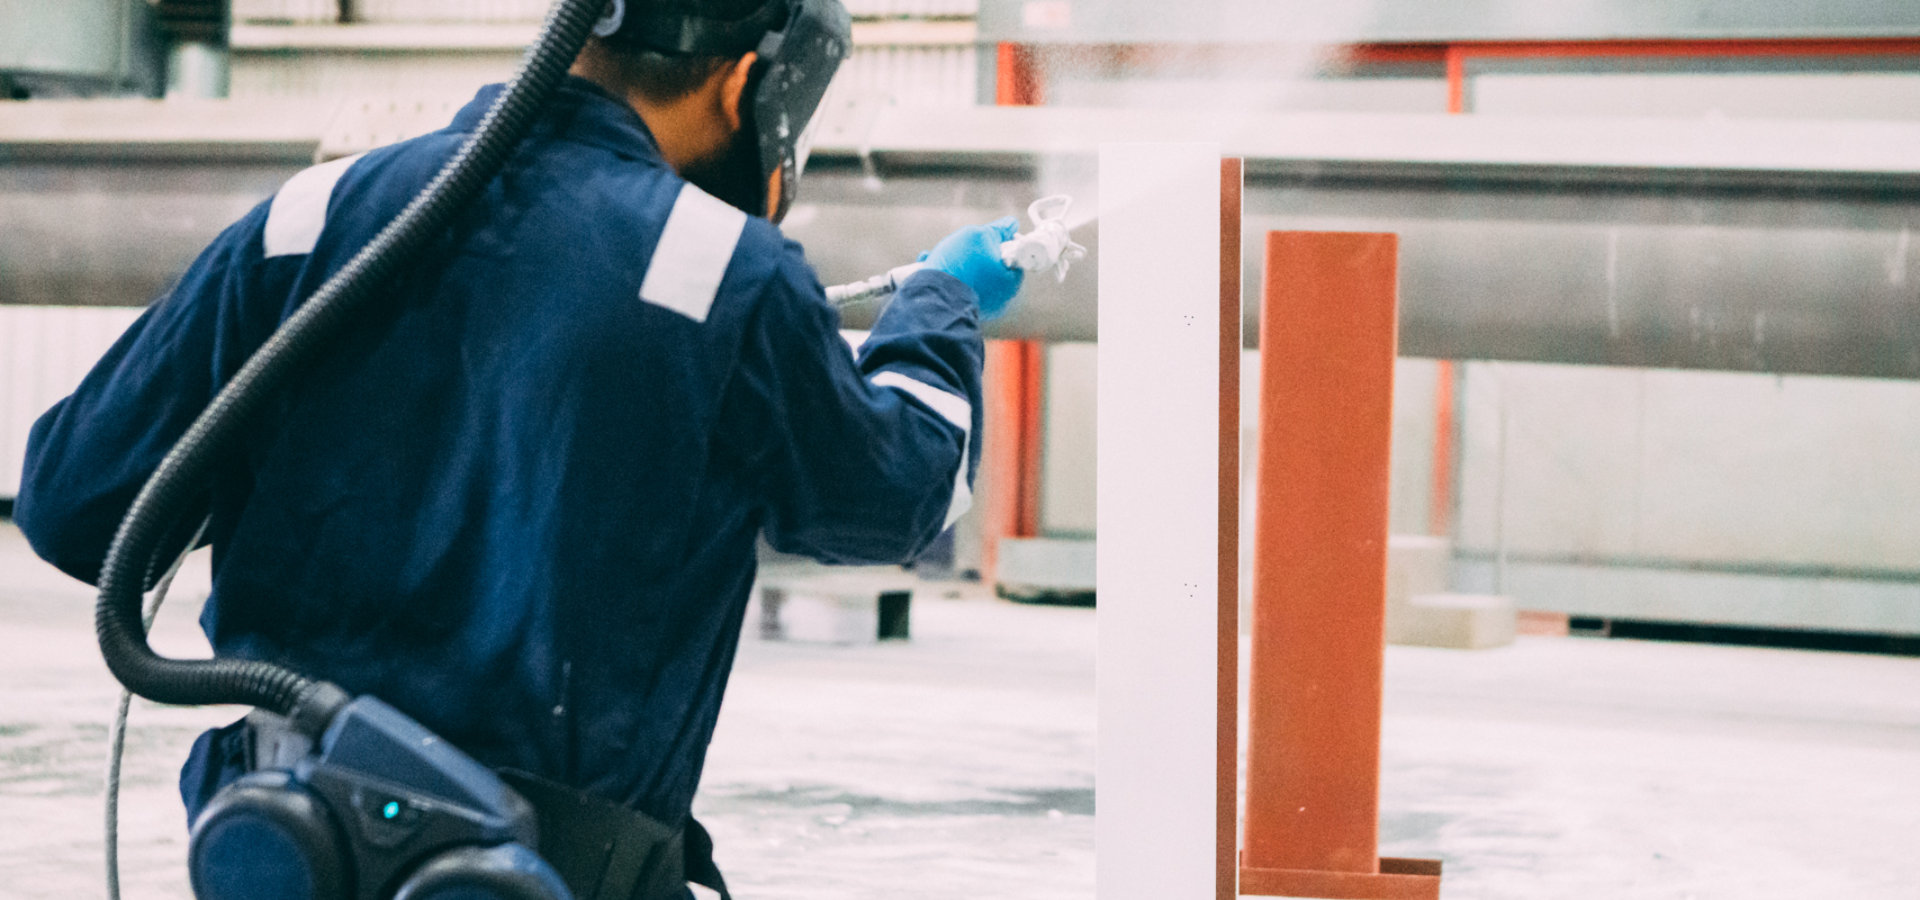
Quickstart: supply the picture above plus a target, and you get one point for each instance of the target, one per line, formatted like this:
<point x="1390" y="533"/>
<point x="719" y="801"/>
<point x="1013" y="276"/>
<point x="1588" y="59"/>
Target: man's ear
<point x="733" y="88"/>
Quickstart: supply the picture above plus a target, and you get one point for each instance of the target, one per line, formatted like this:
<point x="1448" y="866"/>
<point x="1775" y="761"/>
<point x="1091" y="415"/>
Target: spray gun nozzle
<point x="1049" y="245"/>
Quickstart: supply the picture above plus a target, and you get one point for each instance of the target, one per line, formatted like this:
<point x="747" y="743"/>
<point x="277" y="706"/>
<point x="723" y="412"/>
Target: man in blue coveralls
<point x="519" y="503"/>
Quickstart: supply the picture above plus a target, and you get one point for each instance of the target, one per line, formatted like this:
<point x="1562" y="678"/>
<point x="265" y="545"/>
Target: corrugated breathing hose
<point x="183" y="475"/>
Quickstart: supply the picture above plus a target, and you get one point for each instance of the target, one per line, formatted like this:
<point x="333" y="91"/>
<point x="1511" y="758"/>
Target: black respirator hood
<point x="800" y="44"/>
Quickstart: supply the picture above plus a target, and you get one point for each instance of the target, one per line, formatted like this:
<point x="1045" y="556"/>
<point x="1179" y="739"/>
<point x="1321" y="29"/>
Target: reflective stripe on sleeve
<point x="953" y="409"/>
<point x="299" y="209"/>
<point x="693" y="253"/>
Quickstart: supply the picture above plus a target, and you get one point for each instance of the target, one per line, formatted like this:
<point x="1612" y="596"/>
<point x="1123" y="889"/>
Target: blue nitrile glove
<point x="972" y="255"/>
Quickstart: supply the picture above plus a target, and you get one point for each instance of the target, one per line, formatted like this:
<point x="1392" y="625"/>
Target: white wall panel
<point x="882" y="9"/>
<point x="1068" y="487"/>
<point x="1571" y="460"/>
<point x="534" y="10"/>
<point x="935" y="75"/>
<point x="1738" y="95"/>
<point x="1158" y="519"/>
<point x="1414" y="420"/>
<point x="1714" y="468"/>
<point x="1868" y="605"/>
<point x="1230" y="91"/>
<point x="357" y="76"/>
<point x="911" y="75"/>
<point x="44" y="352"/>
<point x="450" y="10"/>
<point x="301" y="11"/>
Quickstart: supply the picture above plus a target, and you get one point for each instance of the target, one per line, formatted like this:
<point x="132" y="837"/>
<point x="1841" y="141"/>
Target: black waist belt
<point x="605" y="851"/>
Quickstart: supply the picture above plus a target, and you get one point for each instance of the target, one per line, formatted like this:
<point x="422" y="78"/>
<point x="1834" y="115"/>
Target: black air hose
<point x="184" y="473"/>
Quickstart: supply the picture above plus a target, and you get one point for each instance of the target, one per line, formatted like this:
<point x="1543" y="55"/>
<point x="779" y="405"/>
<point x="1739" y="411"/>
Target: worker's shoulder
<point x="789" y="278"/>
<point x="685" y="225"/>
<point x="690" y="251"/>
<point x="348" y="197"/>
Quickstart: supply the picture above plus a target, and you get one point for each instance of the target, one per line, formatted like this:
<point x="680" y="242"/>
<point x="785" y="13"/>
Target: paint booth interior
<point x="1658" y="316"/>
<point x="1659" y="369"/>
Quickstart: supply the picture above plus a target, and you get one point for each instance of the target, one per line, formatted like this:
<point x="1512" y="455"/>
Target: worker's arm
<point x="867" y="459"/>
<point x="89" y="455"/>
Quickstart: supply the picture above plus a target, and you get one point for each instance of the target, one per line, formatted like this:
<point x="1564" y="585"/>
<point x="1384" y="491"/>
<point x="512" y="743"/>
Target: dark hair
<point x="658" y="76"/>
<point x="665" y="77"/>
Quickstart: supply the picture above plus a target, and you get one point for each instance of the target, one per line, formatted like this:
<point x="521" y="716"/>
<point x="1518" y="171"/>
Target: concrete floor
<point x="960" y="765"/>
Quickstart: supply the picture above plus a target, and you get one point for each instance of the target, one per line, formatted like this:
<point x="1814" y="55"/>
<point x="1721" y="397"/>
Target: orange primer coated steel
<point x="1327" y="342"/>
<point x="1227" y="680"/>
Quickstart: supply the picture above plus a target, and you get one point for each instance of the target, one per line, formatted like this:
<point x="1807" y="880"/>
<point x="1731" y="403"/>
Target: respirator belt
<point x="605" y="851"/>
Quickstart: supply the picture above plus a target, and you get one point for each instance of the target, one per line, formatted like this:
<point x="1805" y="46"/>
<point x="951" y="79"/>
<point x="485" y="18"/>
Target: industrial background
<point x="1660" y="303"/>
<point x="1553" y="287"/>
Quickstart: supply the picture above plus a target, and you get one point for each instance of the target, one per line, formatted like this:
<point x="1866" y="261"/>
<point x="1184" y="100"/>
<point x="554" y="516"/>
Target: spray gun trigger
<point x="1070" y="254"/>
<point x="1049" y="209"/>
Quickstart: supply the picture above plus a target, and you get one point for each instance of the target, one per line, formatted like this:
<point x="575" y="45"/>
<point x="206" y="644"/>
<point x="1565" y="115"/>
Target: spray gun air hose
<point x="182" y="476"/>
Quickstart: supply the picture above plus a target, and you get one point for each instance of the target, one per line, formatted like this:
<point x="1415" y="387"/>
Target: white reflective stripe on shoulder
<point x="691" y="258"/>
<point x="299" y="210"/>
<point x="953" y="409"/>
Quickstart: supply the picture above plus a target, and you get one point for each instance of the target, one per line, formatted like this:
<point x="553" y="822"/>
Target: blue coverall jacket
<point x="519" y="501"/>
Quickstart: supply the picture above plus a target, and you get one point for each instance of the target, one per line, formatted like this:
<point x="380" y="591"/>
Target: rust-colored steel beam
<point x="1226" y="770"/>
<point x="1327" y="339"/>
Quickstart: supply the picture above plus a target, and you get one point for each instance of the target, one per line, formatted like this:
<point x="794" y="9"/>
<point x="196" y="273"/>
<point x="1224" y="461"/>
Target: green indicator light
<point x="391" y="810"/>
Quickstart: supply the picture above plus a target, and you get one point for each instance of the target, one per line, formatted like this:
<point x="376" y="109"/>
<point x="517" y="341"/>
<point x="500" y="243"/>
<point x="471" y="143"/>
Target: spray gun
<point x="1049" y="246"/>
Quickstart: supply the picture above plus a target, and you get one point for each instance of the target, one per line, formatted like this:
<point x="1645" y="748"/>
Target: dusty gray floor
<point x="957" y="765"/>
<point x="1620" y="769"/>
<point x="960" y="765"/>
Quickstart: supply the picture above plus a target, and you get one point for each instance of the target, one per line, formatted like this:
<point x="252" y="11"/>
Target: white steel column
<point x="1157" y="521"/>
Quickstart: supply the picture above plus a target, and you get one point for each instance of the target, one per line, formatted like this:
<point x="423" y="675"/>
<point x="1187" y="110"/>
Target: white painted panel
<point x="1158" y="505"/>
<point x="44" y="352"/>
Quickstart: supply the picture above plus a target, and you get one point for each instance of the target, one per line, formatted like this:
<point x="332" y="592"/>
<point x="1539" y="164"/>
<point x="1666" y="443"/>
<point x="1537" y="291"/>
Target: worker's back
<point x="501" y="501"/>
<point x="519" y="500"/>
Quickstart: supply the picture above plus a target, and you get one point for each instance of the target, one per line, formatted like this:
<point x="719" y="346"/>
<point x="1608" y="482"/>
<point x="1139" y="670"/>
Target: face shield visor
<point x="797" y="63"/>
<point x="800" y="45"/>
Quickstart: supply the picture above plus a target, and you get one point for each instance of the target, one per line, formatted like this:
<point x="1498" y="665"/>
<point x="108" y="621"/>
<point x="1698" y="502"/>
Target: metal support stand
<point x="1328" y="338"/>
